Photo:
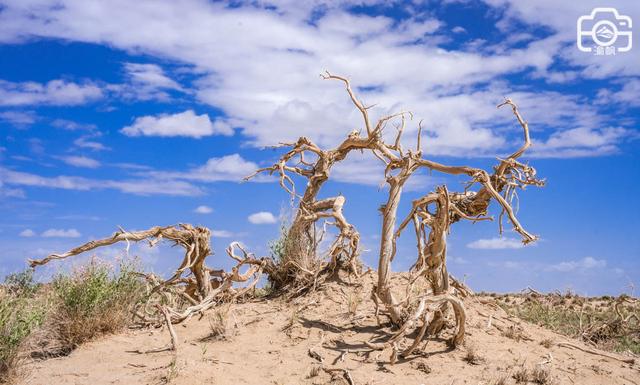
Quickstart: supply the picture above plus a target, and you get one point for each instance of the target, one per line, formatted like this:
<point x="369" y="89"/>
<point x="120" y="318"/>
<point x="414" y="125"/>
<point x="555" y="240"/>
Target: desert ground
<point x="319" y="339"/>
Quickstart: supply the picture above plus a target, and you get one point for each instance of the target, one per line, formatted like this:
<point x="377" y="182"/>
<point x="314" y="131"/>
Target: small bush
<point x="218" y="325"/>
<point x="521" y="375"/>
<point x="547" y="343"/>
<point x="472" y="357"/>
<point x="21" y="312"/>
<point x="541" y="376"/>
<point x="92" y="301"/>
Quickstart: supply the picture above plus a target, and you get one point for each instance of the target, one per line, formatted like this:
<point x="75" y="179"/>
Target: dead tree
<point x="300" y="266"/>
<point x="400" y="164"/>
<point x="194" y="287"/>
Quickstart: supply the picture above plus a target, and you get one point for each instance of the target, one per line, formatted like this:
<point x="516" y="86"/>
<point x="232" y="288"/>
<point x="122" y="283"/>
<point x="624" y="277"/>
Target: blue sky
<point x="143" y="113"/>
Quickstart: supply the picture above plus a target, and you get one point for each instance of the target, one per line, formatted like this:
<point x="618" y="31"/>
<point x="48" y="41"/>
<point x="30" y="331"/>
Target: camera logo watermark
<point x="604" y="32"/>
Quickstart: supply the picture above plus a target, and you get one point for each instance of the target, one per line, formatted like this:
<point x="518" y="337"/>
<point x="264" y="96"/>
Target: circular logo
<point x="604" y="33"/>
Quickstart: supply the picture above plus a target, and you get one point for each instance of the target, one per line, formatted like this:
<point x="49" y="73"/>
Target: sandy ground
<point x="268" y="342"/>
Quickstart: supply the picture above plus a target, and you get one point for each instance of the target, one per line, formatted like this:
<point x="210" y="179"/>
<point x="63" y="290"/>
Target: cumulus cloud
<point x="262" y="218"/>
<point x="27" y="233"/>
<point x="496" y="244"/>
<point x="582" y="264"/>
<point x="80" y="161"/>
<point x="203" y="210"/>
<point x="231" y="168"/>
<point x="61" y="233"/>
<point x="222" y="233"/>
<point x="186" y="123"/>
<point x="277" y="98"/>
<point x="55" y="92"/>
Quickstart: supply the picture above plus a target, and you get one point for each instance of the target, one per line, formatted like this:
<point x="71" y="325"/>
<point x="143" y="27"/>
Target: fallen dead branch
<point x="194" y="287"/>
<point x="345" y="374"/>
<point x="567" y="344"/>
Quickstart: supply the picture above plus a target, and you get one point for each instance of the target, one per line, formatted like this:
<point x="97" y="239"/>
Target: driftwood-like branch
<point x="202" y="288"/>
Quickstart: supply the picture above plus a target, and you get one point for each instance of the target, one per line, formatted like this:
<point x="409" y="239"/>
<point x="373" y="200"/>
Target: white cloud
<point x="151" y="75"/>
<point x="276" y="98"/>
<point x="80" y="161"/>
<point x="203" y="210"/>
<point x="261" y="218"/>
<point x="627" y="94"/>
<point x="561" y="18"/>
<point x="71" y="125"/>
<point x="581" y="141"/>
<point x="458" y="260"/>
<point x="19" y="118"/>
<point x="61" y="233"/>
<point x="133" y="186"/>
<point x="27" y="233"/>
<point x="231" y="168"/>
<point x="582" y="264"/>
<point x="185" y="123"/>
<point x="7" y="192"/>
<point x="86" y="142"/>
<point x="55" y="92"/>
<point x="146" y="81"/>
<point x="496" y="244"/>
<point x="222" y="233"/>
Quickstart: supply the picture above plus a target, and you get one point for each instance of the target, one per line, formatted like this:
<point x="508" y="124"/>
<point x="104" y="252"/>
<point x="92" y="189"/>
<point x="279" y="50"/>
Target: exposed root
<point x="425" y="316"/>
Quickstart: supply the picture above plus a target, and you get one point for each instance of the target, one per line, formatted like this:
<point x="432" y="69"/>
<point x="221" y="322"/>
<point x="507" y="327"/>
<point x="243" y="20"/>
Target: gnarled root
<point x="425" y="316"/>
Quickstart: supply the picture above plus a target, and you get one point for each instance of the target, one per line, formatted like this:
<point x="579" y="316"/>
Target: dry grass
<point x="515" y="333"/>
<point x="593" y="320"/>
<point x="521" y="375"/>
<point x="541" y="375"/>
<point x="53" y="319"/>
<point x="547" y="343"/>
<point x="472" y="356"/>
<point x="93" y="301"/>
<point x="502" y="380"/>
<point x="22" y="310"/>
<point x="315" y="371"/>
<point x="353" y="299"/>
<point x="218" y="325"/>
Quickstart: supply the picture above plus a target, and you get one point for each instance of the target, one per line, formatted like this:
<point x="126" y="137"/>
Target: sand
<point x="268" y="342"/>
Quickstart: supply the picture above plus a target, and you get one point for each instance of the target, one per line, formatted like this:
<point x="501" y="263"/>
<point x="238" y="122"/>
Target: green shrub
<point x="277" y="246"/>
<point x="21" y="312"/>
<point x="93" y="300"/>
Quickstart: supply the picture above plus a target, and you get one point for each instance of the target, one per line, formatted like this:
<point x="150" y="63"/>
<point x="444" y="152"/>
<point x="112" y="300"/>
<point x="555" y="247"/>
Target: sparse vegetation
<point x="541" y="375"/>
<point x="521" y="375"/>
<point x="218" y="324"/>
<point x="547" y="343"/>
<point x="49" y="320"/>
<point x="472" y="356"/>
<point x="501" y="380"/>
<point x="22" y="311"/>
<point x="611" y="324"/>
<point x="93" y="300"/>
